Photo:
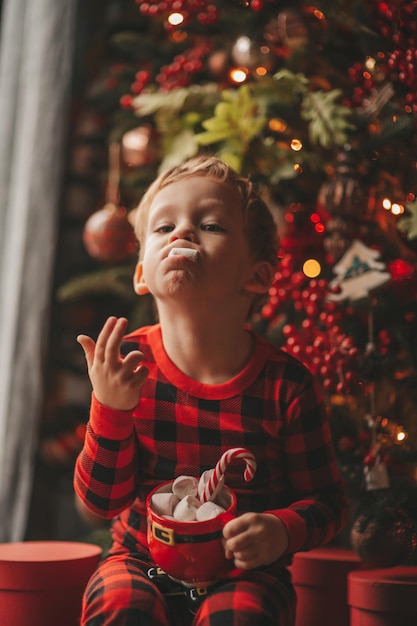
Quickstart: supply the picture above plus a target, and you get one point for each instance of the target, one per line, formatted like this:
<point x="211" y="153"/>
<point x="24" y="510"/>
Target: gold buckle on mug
<point x="162" y="534"/>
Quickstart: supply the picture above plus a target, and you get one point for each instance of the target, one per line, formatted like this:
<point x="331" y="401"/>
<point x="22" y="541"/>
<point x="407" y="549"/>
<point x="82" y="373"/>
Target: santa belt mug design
<point x="170" y="538"/>
<point x="191" y="552"/>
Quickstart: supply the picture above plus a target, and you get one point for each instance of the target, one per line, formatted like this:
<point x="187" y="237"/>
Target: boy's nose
<point x="184" y="232"/>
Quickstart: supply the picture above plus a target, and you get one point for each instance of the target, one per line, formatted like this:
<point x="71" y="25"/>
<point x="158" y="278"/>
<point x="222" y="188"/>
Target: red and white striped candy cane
<point x="210" y="490"/>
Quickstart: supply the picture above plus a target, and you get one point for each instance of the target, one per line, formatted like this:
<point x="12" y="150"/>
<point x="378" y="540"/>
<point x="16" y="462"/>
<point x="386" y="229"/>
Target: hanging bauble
<point x="250" y="54"/>
<point x="338" y="236"/>
<point x="108" y="234"/>
<point x="292" y="29"/>
<point x="140" y="146"/>
<point x="344" y="195"/>
<point x="384" y="540"/>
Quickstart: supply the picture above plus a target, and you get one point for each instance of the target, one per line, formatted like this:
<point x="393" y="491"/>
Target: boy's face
<point x="204" y="217"/>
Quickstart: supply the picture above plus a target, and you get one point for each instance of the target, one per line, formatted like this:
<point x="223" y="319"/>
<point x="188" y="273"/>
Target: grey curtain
<point x="36" y="50"/>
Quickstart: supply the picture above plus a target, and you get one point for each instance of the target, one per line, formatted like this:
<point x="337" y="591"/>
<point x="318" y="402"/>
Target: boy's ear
<point x="261" y="278"/>
<point x="139" y="284"/>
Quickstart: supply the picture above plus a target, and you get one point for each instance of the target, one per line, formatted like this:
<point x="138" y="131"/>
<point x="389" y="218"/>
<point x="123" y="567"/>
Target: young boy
<point x="170" y="399"/>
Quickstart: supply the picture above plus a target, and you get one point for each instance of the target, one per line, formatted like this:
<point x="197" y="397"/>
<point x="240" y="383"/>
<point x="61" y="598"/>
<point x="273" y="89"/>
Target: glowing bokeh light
<point x="311" y="268"/>
<point x="175" y="19"/>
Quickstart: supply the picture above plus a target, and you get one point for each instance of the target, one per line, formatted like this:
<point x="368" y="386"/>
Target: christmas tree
<point x="317" y="104"/>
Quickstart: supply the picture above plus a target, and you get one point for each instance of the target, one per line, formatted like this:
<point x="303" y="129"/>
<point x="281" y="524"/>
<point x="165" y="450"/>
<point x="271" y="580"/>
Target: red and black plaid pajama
<point x="274" y="408"/>
<point x="120" y="593"/>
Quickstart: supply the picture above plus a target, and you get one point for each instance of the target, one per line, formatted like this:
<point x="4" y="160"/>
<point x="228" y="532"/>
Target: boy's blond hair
<point x="260" y="226"/>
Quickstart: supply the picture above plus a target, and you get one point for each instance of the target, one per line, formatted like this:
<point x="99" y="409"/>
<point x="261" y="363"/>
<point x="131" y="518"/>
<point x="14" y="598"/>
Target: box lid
<point x="47" y="564"/>
<point x="391" y="590"/>
<point x="328" y="566"/>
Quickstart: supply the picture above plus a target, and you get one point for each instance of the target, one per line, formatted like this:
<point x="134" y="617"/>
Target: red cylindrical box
<point x="320" y="581"/>
<point x="42" y="582"/>
<point x="383" y="597"/>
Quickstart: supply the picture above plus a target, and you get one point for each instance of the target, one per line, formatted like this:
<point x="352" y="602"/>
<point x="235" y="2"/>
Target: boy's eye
<point x="165" y="228"/>
<point x="212" y="227"/>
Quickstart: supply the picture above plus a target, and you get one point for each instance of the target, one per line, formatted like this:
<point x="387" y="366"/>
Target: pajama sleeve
<point x="104" y="476"/>
<point x="319" y="507"/>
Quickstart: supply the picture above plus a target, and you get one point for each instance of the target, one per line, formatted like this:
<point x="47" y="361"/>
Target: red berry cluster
<point x="397" y="22"/>
<point x="364" y="81"/>
<point x="403" y="66"/>
<point x="179" y="73"/>
<point x="205" y="13"/>
<point x="318" y="340"/>
<point x="184" y="66"/>
<point x="141" y="79"/>
<point x="326" y="350"/>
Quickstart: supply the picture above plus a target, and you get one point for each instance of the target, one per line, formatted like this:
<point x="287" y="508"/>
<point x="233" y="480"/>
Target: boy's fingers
<point x="132" y="360"/>
<point x="88" y="346"/>
<point x="112" y="348"/>
<point x="234" y="527"/>
<point x="103" y="338"/>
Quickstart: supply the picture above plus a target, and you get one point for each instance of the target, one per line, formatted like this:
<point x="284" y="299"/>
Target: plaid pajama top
<point x="273" y="407"/>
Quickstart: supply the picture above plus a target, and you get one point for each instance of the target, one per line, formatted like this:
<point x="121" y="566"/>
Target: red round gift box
<point x="383" y="597"/>
<point x="42" y="582"/>
<point x="320" y="581"/>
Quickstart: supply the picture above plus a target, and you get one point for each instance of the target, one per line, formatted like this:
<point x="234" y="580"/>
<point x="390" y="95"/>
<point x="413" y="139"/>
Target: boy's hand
<point x="255" y="539"/>
<point x="116" y="381"/>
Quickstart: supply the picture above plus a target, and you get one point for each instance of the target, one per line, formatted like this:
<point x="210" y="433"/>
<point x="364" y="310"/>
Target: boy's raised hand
<point x="255" y="539"/>
<point x="116" y="381"/>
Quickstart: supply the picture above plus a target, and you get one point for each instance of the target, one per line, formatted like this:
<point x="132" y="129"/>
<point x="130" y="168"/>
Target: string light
<point x="311" y="268"/>
<point x="296" y="145"/>
<point x="370" y="63"/>
<point x="238" y="74"/>
<point x="175" y="19"/>
<point x="277" y="125"/>
<point x="401" y="436"/>
<point x="397" y="209"/>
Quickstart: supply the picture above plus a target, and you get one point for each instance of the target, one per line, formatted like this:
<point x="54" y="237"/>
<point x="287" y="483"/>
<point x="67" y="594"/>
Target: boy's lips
<point x="190" y="253"/>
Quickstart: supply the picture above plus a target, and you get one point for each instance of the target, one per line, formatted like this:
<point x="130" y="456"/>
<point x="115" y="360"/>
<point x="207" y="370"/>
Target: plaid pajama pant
<point x="120" y="593"/>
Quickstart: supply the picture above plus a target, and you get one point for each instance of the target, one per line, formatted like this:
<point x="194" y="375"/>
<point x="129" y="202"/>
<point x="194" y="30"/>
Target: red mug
<point x="191" y="552"/>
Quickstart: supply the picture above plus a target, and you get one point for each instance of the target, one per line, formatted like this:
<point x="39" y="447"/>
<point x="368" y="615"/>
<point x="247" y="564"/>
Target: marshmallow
<point x="208" y="510"/>
<point x="186" y="509"/>
<point x="164" y="503"/>
<point x="185" y="486"/>
<point x="188" y="252"/>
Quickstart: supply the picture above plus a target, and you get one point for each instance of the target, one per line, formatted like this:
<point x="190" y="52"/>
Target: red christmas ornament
<point x="108" y="235"/>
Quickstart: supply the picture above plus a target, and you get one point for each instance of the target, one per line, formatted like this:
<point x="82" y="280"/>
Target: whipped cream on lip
<point x="190" y="253"/>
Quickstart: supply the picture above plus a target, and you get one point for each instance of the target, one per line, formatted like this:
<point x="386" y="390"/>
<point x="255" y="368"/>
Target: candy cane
<point x="210" y="490"/>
